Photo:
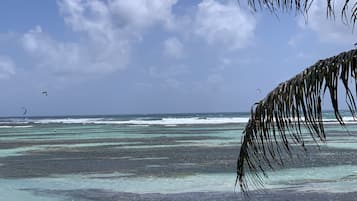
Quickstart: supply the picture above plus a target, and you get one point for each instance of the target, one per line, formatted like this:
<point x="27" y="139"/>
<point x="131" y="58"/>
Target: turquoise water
<point x="51" y="158"/>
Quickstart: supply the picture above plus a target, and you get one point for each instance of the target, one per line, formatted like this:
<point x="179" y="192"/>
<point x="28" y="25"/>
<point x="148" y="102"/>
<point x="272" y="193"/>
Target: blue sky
<point x="153" y="56"/>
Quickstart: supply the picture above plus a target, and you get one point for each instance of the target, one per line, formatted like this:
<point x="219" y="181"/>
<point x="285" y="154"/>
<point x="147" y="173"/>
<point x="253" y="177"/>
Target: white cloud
<point x="92" y="18"/>
<point x="73" y="58"/>
<point x="224" y="23"/>
<point x="7" y="67"/>
<point x="107" y="31"/>
<point x="328" y="30"/>
<point x="143" y="13"/>
<point x="173" y="48"/>
<point x="99" y="18"/>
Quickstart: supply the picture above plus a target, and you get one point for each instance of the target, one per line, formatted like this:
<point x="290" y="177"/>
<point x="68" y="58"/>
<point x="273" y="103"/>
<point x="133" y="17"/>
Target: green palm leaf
<point x="279" y="120"/>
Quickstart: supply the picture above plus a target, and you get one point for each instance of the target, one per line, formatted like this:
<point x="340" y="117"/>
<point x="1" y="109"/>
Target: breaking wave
<point x="157" y="121"/>
<point x="163" y="120"/>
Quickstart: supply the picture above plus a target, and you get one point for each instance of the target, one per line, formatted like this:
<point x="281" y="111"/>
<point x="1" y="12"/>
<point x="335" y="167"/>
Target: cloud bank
<point x="107" y="31"/>
<point x="226" y="24"/>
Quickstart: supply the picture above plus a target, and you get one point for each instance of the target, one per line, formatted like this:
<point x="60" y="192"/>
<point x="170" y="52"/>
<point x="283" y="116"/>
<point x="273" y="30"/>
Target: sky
<point x="154" y="56"/>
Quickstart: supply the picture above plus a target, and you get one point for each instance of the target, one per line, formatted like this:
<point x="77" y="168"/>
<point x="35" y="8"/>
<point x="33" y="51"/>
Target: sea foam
<point x="163" y="121"/>
<point x="28" y="126"/>
<point x="145" y="121"/>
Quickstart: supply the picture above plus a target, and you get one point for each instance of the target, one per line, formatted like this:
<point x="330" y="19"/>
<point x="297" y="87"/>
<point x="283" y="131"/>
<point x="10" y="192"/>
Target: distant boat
<point x="44" y="93"/>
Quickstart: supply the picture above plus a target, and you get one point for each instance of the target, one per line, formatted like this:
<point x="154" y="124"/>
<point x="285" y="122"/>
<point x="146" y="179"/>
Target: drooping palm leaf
<point x="348" y="11"/>
<point x="278" y="122"/>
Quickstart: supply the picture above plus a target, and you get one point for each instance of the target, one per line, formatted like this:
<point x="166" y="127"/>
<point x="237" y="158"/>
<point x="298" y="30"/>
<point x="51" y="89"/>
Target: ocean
<point x="161" y="157"/>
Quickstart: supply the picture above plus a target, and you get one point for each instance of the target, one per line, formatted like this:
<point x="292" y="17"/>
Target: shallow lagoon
<point x="49" y="160"/>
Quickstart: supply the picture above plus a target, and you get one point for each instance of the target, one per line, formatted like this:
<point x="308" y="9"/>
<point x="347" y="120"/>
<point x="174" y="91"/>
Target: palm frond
<point x="302" y="6"/>
<point x="278" y="121"/>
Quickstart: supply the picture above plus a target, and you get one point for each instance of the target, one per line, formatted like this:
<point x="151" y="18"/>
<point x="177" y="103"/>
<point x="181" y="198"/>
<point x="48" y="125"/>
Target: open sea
<point x="181" y="157"/>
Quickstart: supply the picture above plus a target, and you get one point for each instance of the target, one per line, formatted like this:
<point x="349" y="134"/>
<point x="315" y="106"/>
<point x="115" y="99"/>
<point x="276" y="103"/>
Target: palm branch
<point x="302" y="6"/>
<point x="279" y="121"/>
